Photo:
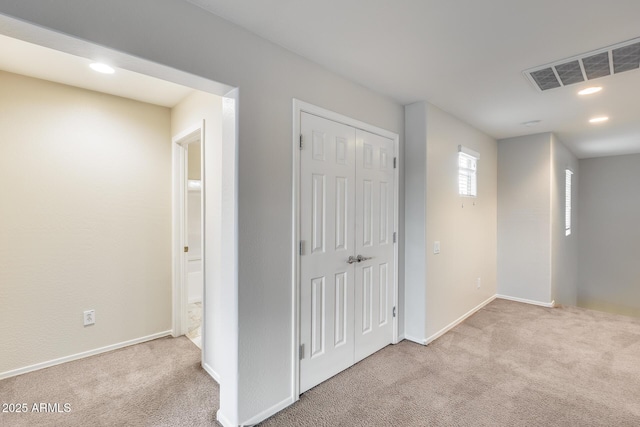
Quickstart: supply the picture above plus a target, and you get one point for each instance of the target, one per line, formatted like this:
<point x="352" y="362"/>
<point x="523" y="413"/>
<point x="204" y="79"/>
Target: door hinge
<point x="186" y="248"/>
<point x="301" y="351"/>
<point x="394" y="312"/>
<point x="395" y="162"/>
<point x="301" y="141"/>
<point x="301" y="247"/>
<point x="395" y="237"/>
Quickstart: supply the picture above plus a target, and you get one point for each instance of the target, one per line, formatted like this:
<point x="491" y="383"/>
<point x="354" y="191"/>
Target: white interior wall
<point x="608" y="213"/>
<point x="524" y="218"/>
<point x="415" y="172"/>
<point x="537" y="263"/>
<point x="564" y="249"/>
<point x="259" y="358"/>
<point x="467" y="235"/>
<point x="85" y="180"/>
<point x="190" y="113"/>
<point x="442" y="288"/>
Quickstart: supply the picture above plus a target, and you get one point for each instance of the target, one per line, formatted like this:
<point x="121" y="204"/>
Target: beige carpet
<point x="158" y="383"/>
<point x="509" y="365"/>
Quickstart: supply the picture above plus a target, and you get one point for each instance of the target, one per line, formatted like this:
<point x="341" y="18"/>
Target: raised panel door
<point x="327" y="197"/>
<point x="375" y="184"/>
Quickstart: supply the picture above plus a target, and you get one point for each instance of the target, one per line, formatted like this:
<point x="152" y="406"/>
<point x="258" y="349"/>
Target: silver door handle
<point x="352" y="259"/>
<point x="361" y="258"/>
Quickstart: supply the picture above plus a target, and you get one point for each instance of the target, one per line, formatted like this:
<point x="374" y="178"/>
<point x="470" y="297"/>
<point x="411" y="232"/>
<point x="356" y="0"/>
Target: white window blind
<point x="567" y="201"/>
<point x="467" y="172"/>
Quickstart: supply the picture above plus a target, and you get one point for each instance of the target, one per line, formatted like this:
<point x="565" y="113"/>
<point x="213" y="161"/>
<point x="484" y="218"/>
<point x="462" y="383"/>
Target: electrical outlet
<point x="89" y="317"/>
<point x="478" y="283"/>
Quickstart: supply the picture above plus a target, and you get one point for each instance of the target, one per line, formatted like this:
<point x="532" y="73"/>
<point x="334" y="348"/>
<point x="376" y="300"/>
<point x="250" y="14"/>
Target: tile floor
<point x="194" y="327"/>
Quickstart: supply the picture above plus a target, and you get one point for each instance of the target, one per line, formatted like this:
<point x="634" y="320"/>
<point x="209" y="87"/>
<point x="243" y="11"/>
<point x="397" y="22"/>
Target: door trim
<point x="298" y="108"/>
<point x="179" y="274"/>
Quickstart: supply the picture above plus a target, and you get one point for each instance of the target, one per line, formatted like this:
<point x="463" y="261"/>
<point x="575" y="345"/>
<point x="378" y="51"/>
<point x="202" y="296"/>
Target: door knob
<point x="361" y="258"/>
<point x="352" y="259"/>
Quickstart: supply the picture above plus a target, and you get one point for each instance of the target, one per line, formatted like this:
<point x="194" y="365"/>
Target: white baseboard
<point x="47" y="364"/>
<point x="268" y="412"/>
<point x="528" y="301"/>
<point x="420" y="341"/>
<point x="457" y="321"/>
<point x="211" y="372"/>
<point x="224" y="420"/>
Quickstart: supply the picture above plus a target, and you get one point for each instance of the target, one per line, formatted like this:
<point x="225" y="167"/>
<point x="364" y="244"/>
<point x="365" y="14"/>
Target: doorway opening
<point x="131" y="286"/>
<point x="195" y="276"/>
<point x="188" y="234"/>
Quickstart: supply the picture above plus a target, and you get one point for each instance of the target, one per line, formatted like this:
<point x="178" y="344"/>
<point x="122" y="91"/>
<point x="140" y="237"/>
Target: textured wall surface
<point x="524" y="217"/>
<point x="182" y="36"/>
<point x="564" y="249"/>
<point x="464" y="226"/>
<point x="441" y="288"/>
<point x="609" y="235"/>
<point x="85" y="180"/>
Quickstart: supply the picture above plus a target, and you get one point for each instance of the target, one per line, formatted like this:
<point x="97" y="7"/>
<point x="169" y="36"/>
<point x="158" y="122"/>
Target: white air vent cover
<point x="588" y="66"/>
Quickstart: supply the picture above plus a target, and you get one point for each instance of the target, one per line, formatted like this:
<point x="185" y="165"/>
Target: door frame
<point x="227" y="304"/>
<point x="180" y="288"/>
<point x="298" y="108"/>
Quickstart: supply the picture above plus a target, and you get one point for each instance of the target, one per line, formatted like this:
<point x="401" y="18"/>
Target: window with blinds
<point x="467" y="172"/>
<point x="567" y="202"/>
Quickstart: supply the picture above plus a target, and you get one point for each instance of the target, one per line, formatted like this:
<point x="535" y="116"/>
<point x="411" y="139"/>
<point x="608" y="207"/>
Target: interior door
<point x="375" y="269"/>
<point x="327" y="215"/>
<point x="347" y="270"/>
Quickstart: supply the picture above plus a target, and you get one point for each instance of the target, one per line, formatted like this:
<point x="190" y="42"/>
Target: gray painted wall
<point x="536" y="261"/>
<point x="524" y="221"/>
<point x="183" y="36"/>
<point x="415" y="172"/>
<point x="465" y="227"/>
<point x="608" y="214"/>
<point x="564" y="249"/>
<point x="442" y="288"/>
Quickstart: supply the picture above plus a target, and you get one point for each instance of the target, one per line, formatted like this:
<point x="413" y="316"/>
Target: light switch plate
<point x="436" y="247"/>
<point x="89" y="317"/>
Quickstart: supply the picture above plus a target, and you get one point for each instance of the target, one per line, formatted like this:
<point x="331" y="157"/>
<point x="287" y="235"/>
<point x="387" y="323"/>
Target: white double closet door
<point x="347" y="264"/>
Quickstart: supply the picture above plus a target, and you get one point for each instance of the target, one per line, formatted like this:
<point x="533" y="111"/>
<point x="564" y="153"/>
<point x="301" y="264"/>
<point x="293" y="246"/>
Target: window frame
<point x="467" y="172"/>
<point x="568" y="201"/>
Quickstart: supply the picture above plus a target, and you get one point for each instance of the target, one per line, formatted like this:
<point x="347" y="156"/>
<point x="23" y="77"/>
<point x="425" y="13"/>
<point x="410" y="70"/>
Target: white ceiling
<point x="467" y="57"/>
<point x="36" y="61"/>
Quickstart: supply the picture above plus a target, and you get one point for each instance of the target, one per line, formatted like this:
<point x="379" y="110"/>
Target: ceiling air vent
<point x="588" y="66"/>
<point x="545" y="79"/>
<point x="626" y="58"/>
<point x="570" y="73"/>
<point x="596" y="66"/>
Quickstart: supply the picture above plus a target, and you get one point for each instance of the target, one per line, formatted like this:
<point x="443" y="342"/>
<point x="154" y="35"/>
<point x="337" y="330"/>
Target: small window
<point x="467" y="172"/>
<point x="567" y="202"/>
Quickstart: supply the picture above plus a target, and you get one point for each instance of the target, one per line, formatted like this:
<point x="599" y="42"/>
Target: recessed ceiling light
<point x="102" y="68"/>
<point x="590" y="90"/>
<point x="532" y="123"/>
<point x="598" y="119"/>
